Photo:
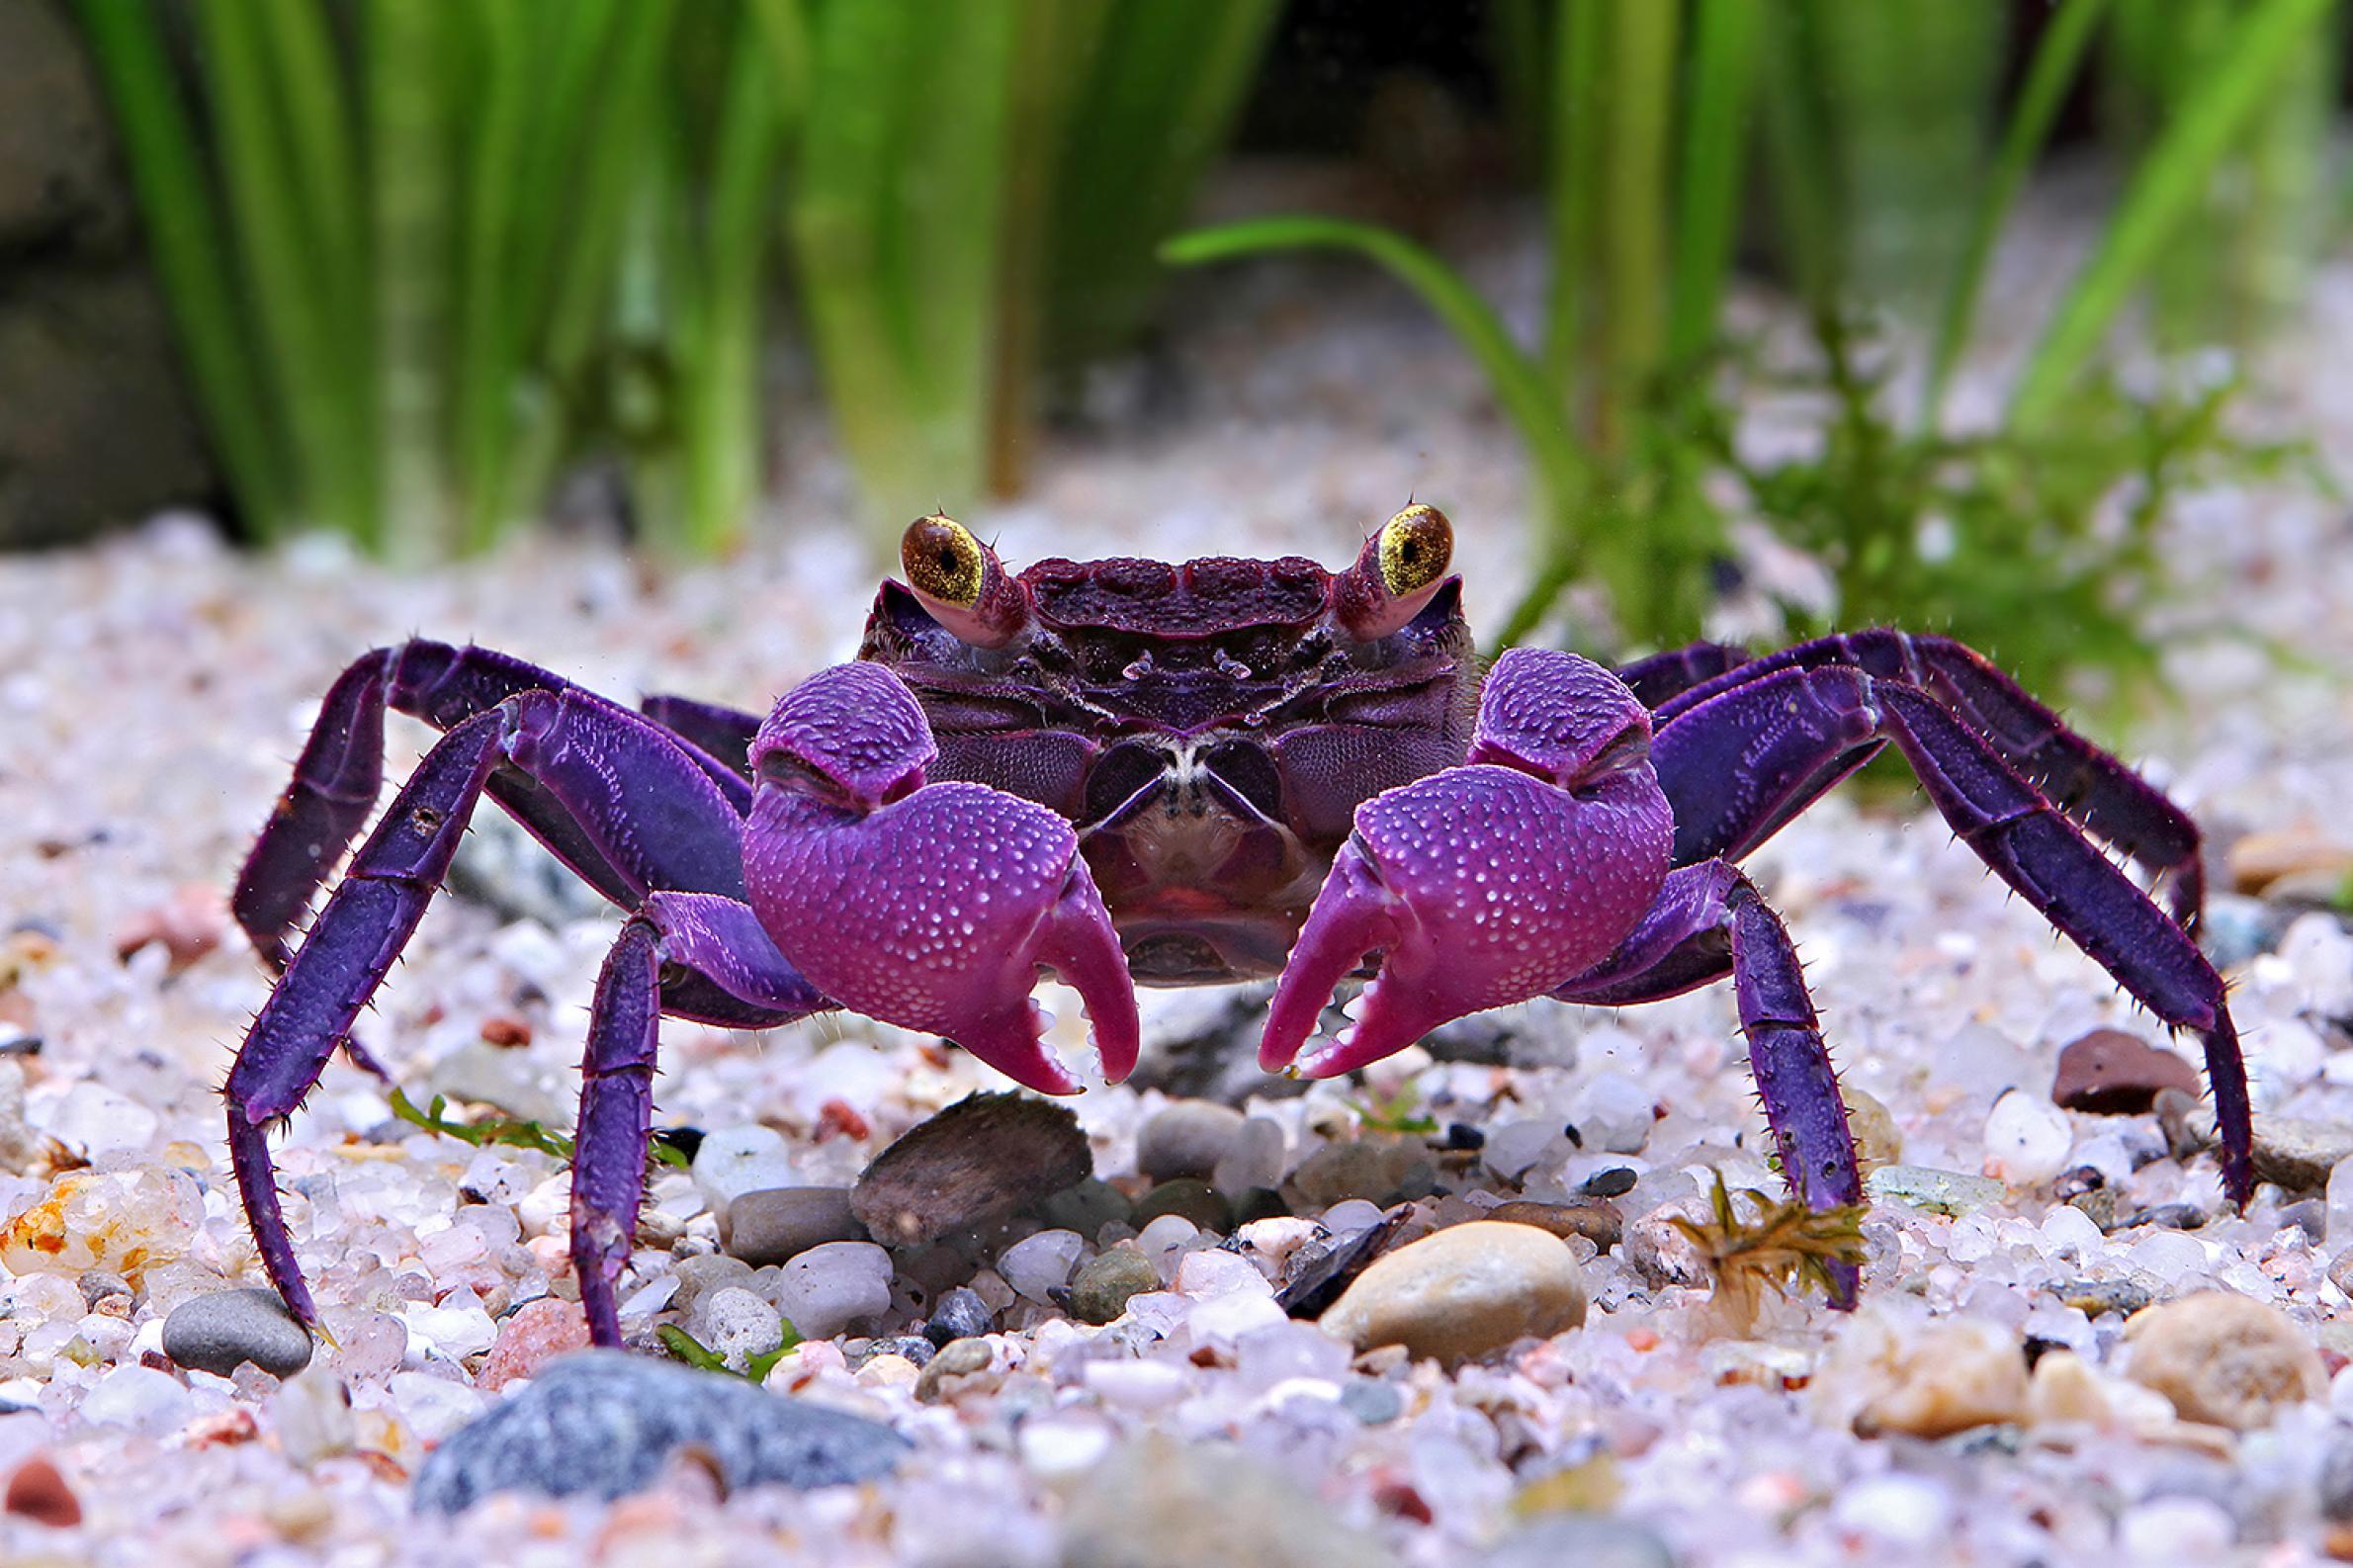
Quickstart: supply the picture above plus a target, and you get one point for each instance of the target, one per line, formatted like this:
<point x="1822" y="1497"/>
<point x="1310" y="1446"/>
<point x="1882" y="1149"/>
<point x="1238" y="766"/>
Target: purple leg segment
<point x="639" y="799"/>
<point x="2094" y="789"/>
<point x="1708" y="918"/>
<point x="337" y="781"/>
<point x="1662" y="677"/>
<point x="723" y="732"/>
<point x="1757" y="750"/>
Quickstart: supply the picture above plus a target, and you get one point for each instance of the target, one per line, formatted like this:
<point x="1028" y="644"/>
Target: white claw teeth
<point x="1353" y="1007"/>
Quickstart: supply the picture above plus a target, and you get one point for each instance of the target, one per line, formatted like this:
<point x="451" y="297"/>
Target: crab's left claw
<point x="928" y="906"/>
<point x="1486" y="884"/>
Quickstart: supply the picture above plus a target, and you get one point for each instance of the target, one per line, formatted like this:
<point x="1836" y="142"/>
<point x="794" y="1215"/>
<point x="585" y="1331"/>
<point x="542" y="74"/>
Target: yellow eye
<point x="943" y="560"/>
<point x="1416" y="546"/>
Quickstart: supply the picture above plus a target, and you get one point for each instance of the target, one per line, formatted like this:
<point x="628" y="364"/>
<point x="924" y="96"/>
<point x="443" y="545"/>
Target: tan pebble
<point x="2065" y="1391"/>
<point x="1463" y="1292"/>
<point x="300" y="1515"/>
<point x="2223" y="1358"/>
<point x="2258" y="860"/>
<point x="1928" y="1380"/>
<point x="1660" y="1251"/>
<point x="891" y="1371"/>
<point x="1877" y="1140"/>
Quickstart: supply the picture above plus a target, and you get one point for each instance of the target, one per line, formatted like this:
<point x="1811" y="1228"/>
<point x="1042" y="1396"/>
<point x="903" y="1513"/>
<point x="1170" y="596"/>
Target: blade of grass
<point x="1168" y="80"/>
<point x="411" y="56"/>
<point x="2163" y="188"/>
<point x="284" y="287"/>
<point x="2059" y="57"/>
<point x="190" y="248"/>
<point x="1719" y="82"/>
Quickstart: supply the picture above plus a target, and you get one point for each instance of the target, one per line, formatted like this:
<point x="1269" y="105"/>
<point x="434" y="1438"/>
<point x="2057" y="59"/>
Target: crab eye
<point x="943" y="562"/>
<point x="1415" y="548"/>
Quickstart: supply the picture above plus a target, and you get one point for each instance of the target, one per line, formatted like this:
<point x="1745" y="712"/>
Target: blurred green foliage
<point x="425" y="257"/>
<point x="2032" y="537"/>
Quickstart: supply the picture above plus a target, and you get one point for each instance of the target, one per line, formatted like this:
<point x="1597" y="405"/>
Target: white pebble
<point x="826" y="1289"/>
<point x="2027" y="1139"/>
<point x="735" y="1324"/>
<point x="1224" y="1319"/>
<point x="139" y="1397"/>
<point x="1214" y="1271"/>
<point x="1903" y="1510"/>
<point x="745" y="1158"/>
<point x="1058" y="1446"/>
<point x="1351" y="1215"/>
<point x="2181" y="1531"/>
<point x="1037" y="1266"/>
<point x="1141" y="1386"/>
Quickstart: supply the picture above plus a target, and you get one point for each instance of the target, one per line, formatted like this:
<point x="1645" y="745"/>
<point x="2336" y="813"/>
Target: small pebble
<point x="36" y="1491"/>
<point x="1586" y="1540"/>
<point x="2027" y="1140"/>
<point x="1038" y="1266"/>
<point x="735" y="1324"/>
<point x="1374" y="1169"/>
<point x="1927" y="1380"/>
<point x="961" y="1314"/>
<point x="1187" y="1138"/>
<point x="1158" y="1503"/>
<point x="531" y="1337"/>
<point x="1598" y="1222"/>
<point x="960" y="1365"/>
<point x="1100" y="1292"/>
<point x="1463" y="1292"/>
<point x="219" y="1332"/>
<point x="737" y="1159"/>
<point x="2223" y="1358"/>
<point x="1373" y="1401"/>
<point x="603" y="1423"/>
<point x="828" y="1287"/>
<point x="1190" y="1198"/>
<point x="2110" y="1072"/>
<point x="771" y="1225"/>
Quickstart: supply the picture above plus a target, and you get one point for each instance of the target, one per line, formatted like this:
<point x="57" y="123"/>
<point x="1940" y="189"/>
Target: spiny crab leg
<point x="1486" y="884"/>
<point x="928" y="906"/>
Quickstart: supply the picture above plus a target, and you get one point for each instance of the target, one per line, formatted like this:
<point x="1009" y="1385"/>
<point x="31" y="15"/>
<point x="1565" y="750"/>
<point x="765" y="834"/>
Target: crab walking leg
<point x="716" y="943"/>
<point x="2099" y="793"/>
<point x="1710" y="918"/>
<point x="629" y="786"/>
<point x="1489" y="883"/>
<point x="341" y="769"/>
<point x="928" y="906"/>
<point x="1669" y="674"/>
<point x="1744" y="754"/>
<point x="726" y="733"/>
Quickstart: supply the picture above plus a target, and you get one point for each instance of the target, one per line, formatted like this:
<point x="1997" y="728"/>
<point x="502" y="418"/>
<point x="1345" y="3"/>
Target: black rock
<point x="1321" y="1270"/>
<point x="604" y="1421"/>
<point x="982" y="1158"/>
<point x="960" y="1315"/>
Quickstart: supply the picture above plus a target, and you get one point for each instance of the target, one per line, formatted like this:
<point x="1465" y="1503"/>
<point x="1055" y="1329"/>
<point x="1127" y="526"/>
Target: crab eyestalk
<point x="1396" y="575"/>
<point x="962" y="584"/>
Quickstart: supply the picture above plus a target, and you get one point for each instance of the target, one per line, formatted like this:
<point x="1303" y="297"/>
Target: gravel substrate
<point x="1098" y="1379"/>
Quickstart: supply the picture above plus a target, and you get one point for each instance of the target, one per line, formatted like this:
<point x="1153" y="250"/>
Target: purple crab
<point x="1126" y="771"/>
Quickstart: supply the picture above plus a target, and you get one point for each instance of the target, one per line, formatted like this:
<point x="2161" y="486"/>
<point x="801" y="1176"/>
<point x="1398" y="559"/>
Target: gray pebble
<point x="2337" y="1482"/>
<point x="913" y="1346"/>
<point x="982" y="1158"/>
<point x="1085" y="1208"/>
<point x="603" y="1422"/>
<point x="1373" y="1401"/>
<point x="1590" y="1540"/>
<point x="1187" y="1138"/>
<point x="960" y="1315"/>
<point x="219" y="1332"/>
<point x="776" y="1224"/>
<point x="1101" y="1289"/>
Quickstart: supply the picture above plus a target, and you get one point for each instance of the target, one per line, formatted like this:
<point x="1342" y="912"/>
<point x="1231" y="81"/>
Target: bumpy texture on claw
<point x="928" y="906"/>
<point x="1486" y="884"/>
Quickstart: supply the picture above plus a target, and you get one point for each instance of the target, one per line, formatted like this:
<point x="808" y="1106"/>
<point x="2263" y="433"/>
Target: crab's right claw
<point x="928" y="906"/>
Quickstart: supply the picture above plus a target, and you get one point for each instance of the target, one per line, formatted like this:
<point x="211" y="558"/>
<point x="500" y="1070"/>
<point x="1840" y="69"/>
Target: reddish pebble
<point x="2110" y="1072"/>
<point x="535" y="1335"/>
<point x="506" y="1032"/>
<point x="189" y="924"/>
<point x="37" y="1492"/>
<point x="839" y="1118"/>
